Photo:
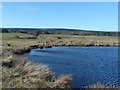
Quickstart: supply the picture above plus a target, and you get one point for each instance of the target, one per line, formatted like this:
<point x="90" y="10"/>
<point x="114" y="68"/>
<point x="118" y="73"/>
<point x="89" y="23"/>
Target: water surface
<point x="87" y="65"/>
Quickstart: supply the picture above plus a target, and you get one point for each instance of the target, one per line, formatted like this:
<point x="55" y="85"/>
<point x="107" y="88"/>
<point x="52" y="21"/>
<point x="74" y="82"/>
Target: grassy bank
<point x="10" y="41"/>
<point x="18" y="72"/>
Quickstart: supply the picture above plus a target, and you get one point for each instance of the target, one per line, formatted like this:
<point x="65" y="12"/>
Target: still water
<point x="87" y="65"/>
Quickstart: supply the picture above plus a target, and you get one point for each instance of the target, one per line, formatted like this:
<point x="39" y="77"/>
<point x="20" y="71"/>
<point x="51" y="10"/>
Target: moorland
<point x="19" y="72"/>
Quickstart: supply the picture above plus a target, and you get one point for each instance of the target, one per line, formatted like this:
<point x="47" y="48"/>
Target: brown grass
<point x="21" y="73"/>
<point x="98" y="85"/>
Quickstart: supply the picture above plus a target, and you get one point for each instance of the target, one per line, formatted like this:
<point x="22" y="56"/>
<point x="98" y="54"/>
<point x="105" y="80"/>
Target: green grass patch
<point x="10" y="35"/>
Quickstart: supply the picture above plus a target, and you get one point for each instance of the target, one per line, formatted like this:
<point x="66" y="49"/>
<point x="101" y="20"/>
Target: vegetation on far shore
<point x="18" y="72"/>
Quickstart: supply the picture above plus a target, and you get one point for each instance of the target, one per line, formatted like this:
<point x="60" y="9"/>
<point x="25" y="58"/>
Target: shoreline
<point x="29" y="48"/>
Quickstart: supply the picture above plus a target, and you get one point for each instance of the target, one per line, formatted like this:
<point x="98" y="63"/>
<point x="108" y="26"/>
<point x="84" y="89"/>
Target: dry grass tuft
<point x="21" y="73"/>
<point x="98" y="85"/>
<point x="63" y="81"/>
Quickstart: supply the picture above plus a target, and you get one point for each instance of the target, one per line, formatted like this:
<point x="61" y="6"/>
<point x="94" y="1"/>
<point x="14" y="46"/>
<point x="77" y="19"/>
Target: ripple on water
<point x="87" y="65"/>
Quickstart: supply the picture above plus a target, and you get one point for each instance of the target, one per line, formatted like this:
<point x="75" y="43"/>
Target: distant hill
<point x="37" y="31"/>
<point x="43" y="29"/>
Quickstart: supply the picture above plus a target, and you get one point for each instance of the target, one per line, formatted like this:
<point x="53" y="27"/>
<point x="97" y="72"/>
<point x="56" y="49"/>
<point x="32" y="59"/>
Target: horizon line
<point x="66" y="28"/>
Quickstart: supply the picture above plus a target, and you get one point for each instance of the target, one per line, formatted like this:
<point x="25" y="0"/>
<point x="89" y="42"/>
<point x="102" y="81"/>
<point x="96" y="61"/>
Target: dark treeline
<point x="37" y="32"/>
